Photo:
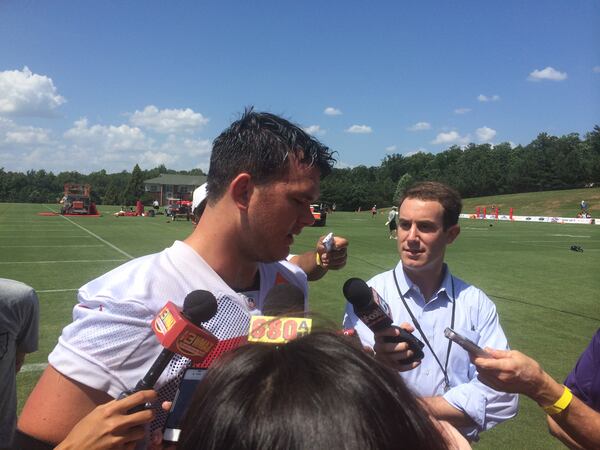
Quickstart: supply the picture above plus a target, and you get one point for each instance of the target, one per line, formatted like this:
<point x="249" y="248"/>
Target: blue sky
<point x="90" y="85"/>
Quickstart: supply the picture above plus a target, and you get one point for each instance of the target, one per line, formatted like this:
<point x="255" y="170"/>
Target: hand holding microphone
<point x="112" y="425"/>
<point x="394" y="345"/>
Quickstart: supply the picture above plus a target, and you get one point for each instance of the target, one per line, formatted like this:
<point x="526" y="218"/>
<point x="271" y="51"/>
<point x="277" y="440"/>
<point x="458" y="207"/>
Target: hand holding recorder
<point x="471" y="347"/>
<point x="332" y="252"/>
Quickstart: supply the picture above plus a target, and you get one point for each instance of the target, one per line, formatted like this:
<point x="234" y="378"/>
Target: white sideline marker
<point x="52" y="246"/>
<point x="96" y="236"/>
<point x="77" y="261"/>
<point x="49" y="291"/>
<point x="33" y="367"/>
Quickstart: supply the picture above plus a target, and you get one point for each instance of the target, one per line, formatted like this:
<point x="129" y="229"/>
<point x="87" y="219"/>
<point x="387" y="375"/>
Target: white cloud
<point x="451" y="137"/>
<point x="23" y="93"/>
<point x="391" y="149"/>
<point x="168" y="120"/>
<point x="343" y="165"/>
<point x="462" y="110"/>
<point x="187" y="146"/>
<point x="315" y="130"/>
<point x="17" y="135"/>
<point x="86" y="147"/>
<point x="596" y="69"/>
<point x="414" y="152"/>
<point x="549" y="73"/>
<point x="331" y="111"/>
<point x="485" y="98"/>
<point x="153" y="159"/>
<point x="107" y="138"/>
<point x="359" y="129"/>
<point x="485" y="134"/>
<point x="420" y="126"/>
<point x="28" y="136"/>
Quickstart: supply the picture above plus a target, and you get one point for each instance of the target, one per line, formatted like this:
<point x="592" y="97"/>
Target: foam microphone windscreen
<point x="284" y="299"/>
<point x="357" y="292"/>
<point x="199" y="306"/>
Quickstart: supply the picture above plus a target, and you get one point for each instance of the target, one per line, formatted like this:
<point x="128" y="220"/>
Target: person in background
<point x="374" y="211"/>
<point x="391" y="222"/>
<point x="314" y="263"/>
<point x="573" y="409"/>
<point x="421" y="293"/>
<point x="19" y="323"/>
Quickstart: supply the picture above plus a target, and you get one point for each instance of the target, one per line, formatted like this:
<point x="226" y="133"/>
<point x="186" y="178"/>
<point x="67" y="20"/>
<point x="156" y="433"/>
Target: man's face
<point x="280" y="209"/>
<point x="421" y="237"/>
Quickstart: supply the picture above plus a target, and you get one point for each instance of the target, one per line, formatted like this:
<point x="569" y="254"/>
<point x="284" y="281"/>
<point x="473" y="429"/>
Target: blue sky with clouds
<point x="88" y="85"/>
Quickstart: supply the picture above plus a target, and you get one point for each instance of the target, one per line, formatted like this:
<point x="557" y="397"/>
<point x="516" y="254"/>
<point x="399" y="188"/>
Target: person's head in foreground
<point x="316" y="392"/>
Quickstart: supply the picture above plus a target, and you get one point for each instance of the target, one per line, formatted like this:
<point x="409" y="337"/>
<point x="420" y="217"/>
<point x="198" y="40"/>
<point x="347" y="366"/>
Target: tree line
<point x="547" y="163"/>
<point x="122" y="188"/>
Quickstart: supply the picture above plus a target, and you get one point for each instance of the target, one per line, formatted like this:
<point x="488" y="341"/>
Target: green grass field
<point x="547" y="295"/>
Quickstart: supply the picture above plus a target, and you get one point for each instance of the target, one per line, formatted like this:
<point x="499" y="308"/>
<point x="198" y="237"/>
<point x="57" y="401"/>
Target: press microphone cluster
<point x="366" y="303"/>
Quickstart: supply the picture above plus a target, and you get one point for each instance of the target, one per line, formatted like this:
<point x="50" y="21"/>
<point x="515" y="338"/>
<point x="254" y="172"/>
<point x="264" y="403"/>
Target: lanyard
<point x="444" y="368"/>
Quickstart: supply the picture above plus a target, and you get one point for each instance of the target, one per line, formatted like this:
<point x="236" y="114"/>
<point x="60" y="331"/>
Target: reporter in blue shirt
<point x="423" y="297"/>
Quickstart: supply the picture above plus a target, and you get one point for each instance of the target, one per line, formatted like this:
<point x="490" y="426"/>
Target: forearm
<point x="55" y="405"/>
<point x="578" y="422"/>
<point x="439" y="408"/>
<point x="560" y="434"/>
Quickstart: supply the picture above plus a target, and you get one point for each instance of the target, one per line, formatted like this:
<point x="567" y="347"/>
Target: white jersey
<point x="110" y="345"/>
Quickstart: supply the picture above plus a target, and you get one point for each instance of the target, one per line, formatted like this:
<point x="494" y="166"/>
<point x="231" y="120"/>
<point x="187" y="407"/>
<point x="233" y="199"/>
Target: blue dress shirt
<point x="475" y="318"/>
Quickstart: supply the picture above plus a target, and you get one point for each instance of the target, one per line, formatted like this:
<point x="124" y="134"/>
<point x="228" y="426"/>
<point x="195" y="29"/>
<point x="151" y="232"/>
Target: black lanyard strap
<point x="444" y="367"/>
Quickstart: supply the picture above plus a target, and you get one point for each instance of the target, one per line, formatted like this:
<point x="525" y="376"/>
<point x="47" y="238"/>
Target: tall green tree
<point x="135" y="187"/>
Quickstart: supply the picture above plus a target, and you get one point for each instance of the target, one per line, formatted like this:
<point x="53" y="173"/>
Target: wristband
<point x="318" y="259"/>
<point x="561" y="404"/>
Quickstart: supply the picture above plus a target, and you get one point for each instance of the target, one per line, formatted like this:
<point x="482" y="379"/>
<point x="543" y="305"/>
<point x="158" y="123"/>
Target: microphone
<point x="284" y="299"/>
<point x="369" y="307"/>
<point x="179" y="332"/>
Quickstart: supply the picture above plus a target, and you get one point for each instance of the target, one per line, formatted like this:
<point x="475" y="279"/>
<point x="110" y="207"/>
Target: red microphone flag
<point x="179" y="335"/>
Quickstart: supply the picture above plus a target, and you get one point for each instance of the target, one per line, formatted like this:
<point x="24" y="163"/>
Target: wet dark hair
<point x="320" y="392"/>
<point x="439" y="192"/>
<point x="261" y="144"/>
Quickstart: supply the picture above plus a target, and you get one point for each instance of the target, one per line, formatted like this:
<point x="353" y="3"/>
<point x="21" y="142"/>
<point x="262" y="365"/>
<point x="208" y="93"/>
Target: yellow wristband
<point x="561" y="404"/>
<point x="318" y="258"/>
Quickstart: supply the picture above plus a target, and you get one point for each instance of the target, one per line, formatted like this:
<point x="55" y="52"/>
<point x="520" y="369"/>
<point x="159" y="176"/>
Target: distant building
<point x="167" y="186"/>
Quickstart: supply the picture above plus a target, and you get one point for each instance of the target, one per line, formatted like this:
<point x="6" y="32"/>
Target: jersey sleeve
<point x="108" y="346"/>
